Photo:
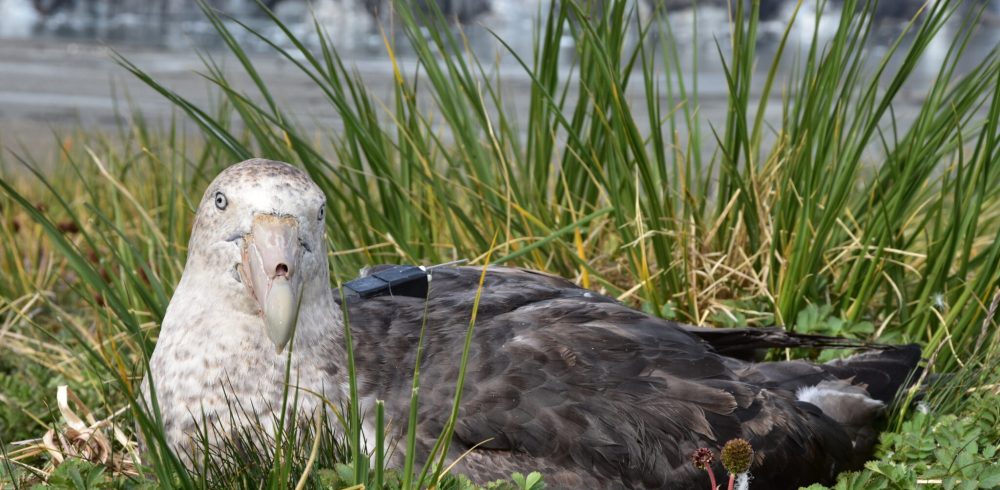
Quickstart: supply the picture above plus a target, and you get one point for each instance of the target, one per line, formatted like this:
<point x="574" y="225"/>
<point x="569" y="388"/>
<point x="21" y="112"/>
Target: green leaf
<point x="78" y="474"/>
<point x="990" y="478"/>
<point x="345" y="472"/>
<point x="534" y="481"/>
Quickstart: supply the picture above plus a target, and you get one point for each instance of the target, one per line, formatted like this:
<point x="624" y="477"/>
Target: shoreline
<point x="52" y="87"/>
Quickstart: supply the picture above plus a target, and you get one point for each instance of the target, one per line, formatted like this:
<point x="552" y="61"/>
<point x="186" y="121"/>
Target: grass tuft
<point x="837" y="217"/>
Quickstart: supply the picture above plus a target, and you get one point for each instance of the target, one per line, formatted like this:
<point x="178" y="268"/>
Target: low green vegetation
<point x="838" y="220"/>
<point x="938" y="447"/>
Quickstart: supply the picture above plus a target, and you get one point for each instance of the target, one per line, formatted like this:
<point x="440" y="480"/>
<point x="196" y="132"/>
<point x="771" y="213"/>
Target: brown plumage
<point x="594" y="393"/>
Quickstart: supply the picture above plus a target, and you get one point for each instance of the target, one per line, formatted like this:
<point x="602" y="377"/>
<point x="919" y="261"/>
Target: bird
<point x="560" y="379"/>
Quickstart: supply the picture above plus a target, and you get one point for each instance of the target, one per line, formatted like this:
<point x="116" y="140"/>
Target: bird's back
<point x="595" y="394"/>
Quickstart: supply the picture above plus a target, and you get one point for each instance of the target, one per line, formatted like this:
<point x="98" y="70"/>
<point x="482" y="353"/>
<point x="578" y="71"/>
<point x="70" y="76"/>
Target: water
<point x="178" y="25"/>
<point x="56" y="73"/>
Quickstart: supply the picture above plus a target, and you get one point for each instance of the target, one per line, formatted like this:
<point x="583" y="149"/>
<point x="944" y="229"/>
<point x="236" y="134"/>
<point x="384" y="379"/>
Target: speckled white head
<point x="260" y="230"/>
<point x="256" y="281"/>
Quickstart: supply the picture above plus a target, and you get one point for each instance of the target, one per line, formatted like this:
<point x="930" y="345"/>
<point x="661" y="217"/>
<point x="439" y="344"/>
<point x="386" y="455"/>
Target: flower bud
<point x="702" y="458"/>
<point x="737" y="455"/>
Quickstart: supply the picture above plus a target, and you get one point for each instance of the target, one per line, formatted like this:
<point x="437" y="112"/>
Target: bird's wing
<point x="573" y="379"/>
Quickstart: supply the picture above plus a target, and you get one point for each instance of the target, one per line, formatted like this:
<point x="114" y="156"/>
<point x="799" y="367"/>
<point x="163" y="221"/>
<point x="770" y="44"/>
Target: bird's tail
<point x="866" y="384"/>
<point x="884" y="372"/>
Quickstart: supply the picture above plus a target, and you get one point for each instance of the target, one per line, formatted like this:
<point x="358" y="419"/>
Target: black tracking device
<point x="397" y="280"/>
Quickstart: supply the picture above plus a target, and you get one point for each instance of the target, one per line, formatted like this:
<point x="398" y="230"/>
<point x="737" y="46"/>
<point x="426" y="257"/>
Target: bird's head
<point x="260" y="234"/>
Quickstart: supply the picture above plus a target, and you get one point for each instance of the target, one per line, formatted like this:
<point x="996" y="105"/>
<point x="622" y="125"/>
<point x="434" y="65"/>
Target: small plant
<point x="737" y="455"/>
<point x="533" y="481"/>
<point x="702" y="459"/>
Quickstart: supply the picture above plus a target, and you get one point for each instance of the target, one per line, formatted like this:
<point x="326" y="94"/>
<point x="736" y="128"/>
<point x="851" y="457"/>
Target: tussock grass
<point x="837" y="220"/>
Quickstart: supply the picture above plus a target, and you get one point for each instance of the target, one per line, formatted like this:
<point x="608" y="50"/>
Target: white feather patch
<point x="841" y="401"/>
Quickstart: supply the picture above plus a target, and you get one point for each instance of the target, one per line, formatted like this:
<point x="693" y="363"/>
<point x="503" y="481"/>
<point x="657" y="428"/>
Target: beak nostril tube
<point x="271" y="255"/>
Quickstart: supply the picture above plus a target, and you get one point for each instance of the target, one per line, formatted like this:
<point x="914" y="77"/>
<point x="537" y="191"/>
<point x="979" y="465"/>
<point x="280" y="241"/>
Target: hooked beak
<point x="271" y="256"/>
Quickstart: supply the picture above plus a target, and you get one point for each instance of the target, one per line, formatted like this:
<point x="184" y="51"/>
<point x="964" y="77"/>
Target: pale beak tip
<point x="271" y="255"/>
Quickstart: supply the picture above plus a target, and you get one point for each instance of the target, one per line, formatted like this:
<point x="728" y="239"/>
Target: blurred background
<point x="57" y="73"/>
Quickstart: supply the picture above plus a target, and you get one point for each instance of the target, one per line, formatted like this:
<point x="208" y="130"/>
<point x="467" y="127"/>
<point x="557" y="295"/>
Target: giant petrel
<point x="563" y="380"/>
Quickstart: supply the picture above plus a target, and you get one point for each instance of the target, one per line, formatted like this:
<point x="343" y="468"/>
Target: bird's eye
<point x="322" y="212"/>
<point x="220" y="200"/>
